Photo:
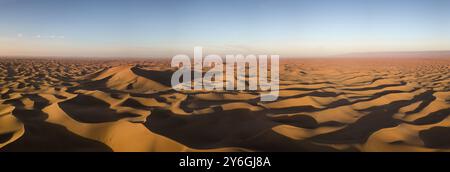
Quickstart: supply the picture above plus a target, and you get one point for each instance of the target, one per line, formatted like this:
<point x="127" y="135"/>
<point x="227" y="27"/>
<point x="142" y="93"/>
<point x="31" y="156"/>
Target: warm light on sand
<point x="128" y="105"/>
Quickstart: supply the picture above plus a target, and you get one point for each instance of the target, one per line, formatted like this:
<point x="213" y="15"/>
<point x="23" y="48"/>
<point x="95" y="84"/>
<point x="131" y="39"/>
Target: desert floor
<point x="129" y="105"/>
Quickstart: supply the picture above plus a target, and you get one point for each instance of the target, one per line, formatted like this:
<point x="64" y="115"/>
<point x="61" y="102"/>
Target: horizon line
<point x="300" y="56"/>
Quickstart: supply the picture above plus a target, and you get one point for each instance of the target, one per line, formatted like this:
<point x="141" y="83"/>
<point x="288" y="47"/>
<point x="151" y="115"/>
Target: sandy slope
<point x="324" y="105"/>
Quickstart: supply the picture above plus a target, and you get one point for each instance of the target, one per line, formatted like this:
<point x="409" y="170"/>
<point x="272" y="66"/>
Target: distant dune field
<point x="341" y="104"/>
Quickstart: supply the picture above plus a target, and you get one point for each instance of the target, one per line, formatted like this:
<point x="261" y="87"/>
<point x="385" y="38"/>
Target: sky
<point x="164" y="28"/>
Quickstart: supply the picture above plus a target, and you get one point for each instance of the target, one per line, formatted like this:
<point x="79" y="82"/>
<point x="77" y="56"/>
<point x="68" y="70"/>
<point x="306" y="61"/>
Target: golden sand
<point x="129" y="105"/>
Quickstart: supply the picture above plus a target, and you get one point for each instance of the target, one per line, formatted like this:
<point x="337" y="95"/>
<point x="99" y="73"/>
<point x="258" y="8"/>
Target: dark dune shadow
<point x="93" y="85"/>
<point x="5" y="137"/>
<point x="304" y="121"/>
<point x="426" y="100"/>
<point x="363" y="83"/>
<point x="191" y="103"/>
<point x="378" y="118"/>
<point x="345" y="102"/>
<point x="96" y="74"/>
<point x="236" y="128"/>
<point x="313" y="83"/>
<point x="60" y="96"/>
<point x="7" y="94"/>
<point x="296" y="109"/>
<point x="380" y="87"/>
<point x="154" y="95"/>
<point x="307" y="89"/>
<point x="88" y="109"/>
<point x="433" y="118"/>
<point x="436" y="137"/>
<point x="11" y="73"/>
<point x="39" y="102"/>
<point x="162" y="77"/>
<point x="43" y="136"/>
<point x="135" y="104"/>
<point x="312" y="94"/>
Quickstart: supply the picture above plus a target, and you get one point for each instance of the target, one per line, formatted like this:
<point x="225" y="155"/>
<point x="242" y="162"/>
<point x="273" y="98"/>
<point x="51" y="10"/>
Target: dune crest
<point x="124" y="78"/>
<point x="129" y="105"/>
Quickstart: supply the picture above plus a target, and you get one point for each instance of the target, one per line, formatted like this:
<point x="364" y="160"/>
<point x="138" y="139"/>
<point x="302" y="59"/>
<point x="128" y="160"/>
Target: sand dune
<point x="128" y="105"/>
<point x="130" y="79"/>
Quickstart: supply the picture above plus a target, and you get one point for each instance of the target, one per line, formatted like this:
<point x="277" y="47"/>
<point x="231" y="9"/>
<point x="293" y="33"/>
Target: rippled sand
<point x="128" y="105"/>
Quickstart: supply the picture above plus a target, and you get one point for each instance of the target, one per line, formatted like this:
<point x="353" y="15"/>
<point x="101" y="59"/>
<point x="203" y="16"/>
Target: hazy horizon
<point x="373" y="54"/>
<point x="164" y="28"/>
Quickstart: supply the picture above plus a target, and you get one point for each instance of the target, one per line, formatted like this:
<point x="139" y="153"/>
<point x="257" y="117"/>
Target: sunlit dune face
<point x="126" y="105"/>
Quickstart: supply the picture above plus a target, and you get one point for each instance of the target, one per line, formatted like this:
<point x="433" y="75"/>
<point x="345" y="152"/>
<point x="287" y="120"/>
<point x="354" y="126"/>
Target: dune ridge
<point x="128" y="105"/>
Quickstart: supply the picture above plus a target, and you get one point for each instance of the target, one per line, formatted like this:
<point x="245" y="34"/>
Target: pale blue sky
<point x="163" y="28"/>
